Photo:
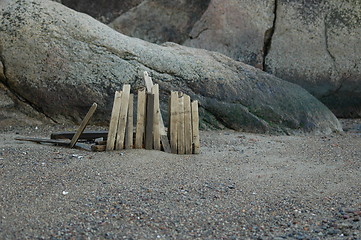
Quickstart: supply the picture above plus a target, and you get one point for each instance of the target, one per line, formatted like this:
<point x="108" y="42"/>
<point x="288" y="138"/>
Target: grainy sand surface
<point x="241" y="186"/>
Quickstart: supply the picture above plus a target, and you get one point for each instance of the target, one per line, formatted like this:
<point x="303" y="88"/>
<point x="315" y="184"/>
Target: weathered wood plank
<point x="59" y="142"/>
<point x="187" y="125"/>
<point x="114" y="121"/>
<point x="148" y="82"/>
<point x="181" y="140"/>
<point x="195" y="127"/>
<point x="86" y="135"/>
<point x="141" y="114"/>
<point x="165" y="143"/>
<point x="156" y="117"/>
<point x="130" y="127"/>
<point x="149" y="122"/>
<point x="173" y="121"/>
<point x="163" y="134"/>
<point x="122" y="123"/>
<point x="98" y="148"/>
<point x="83" y="124"/>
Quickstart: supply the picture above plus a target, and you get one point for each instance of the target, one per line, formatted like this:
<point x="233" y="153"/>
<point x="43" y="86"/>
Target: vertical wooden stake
<point x="156" y="117"/>
<point x="163" y="134"/>
<point x="114" y="122"/>
<point x="195" y="127"/>
<point x="149" y="124"/>
<point x="141" y="113"/>
<point x="129" y="129"/>
<point x="173" y="121"/>
<point x="181" y="140"/>
<point x="119" y="144"/>
<point x="148" y="82"/>
<point x="187" y="125"/>
<point x="83" y="124"/>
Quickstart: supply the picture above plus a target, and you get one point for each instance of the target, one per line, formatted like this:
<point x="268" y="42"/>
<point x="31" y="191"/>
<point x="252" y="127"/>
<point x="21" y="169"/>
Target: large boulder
<point x="317" y="45"/>
<point x="103" y="10"/>
<point x="61" y="61"/>
<point x="160" y="21"/>
<point x="238" y="29"/>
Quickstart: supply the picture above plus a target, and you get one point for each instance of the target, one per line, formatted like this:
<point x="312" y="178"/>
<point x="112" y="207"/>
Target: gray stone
<point x="60" y="62"/>
<point x="317" y="44"/>
<point x="235" y="28"/>
<point x="161" y="21"/>
<point x="103" y="10"/>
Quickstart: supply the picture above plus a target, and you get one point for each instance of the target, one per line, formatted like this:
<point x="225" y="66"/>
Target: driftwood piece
<point x="114" y="121"/>
<point x="187" y="125"/>
<point x="173" y="121"/>
<point x="59" y="142"/>
<point x="120" y="139"/>
<point x="86" y="135"/>
<point x="156" y="116"/>
<point x="130" y="126"/>
<point x="98" y="148"/>
<point x="83" y="124"/>
<point x="141" y="113"/>
<point x="149" y="122"/>
<point x="163" y="134"/>
<point x="181" y="138"/>
<point x="195" y="127"/>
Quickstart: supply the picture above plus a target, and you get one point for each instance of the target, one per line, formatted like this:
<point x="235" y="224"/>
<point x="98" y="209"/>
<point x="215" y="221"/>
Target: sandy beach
<point x="241" y="186"/>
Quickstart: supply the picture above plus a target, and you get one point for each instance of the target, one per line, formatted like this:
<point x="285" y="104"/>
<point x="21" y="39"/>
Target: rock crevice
<point x="269" y="35"/>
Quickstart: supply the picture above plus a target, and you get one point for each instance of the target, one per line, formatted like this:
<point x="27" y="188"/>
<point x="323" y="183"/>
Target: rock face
<point x="235" y="28"/>
<point x="103" y="10"/>
<point x="61" y="61"/>
<point x="14" y="112"/>
<point x="317" y="45"/>
<point x="161" y="21"/>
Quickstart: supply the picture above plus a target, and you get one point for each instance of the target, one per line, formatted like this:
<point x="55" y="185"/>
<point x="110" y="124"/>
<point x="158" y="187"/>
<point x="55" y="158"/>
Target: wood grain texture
<point x="195" y="128"/>
<point x="180" y="125"/>
<point x="124" y="104"/>
<point x="156" y="118"/>
<point x="83" y="124"/>
<point x="141" y="114"/>
<point x="187" y="125"/>
<point x="130" y="126"/>
<point x="113" y="125"/>
<point x="149" y="122"/>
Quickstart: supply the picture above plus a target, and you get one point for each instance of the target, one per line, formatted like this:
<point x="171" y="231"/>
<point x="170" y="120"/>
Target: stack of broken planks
<point x="183" y="124"/>
<point x="150" y="132"/>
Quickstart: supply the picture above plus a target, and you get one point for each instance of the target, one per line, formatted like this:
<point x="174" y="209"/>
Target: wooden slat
<point x="129" y="129"/>
<point x="163" y="134"/>
<point x="114" y="121"/>
<point x="124" y="104"/>
<point x="148" y="82"/>
<point x="181" y="140"/>
<point x="141" y="113"/>
<point x="195" y="127"/>
<point x="187" y="125"/>
<point x="86" y="135"/>
<point x="83" y="124"/>
<point x="156" y="117"/>
<point x="173" y="121"/>
<point x="165" y="143"/>
<point x="98" y="148"/>
<point x="60" y="142"/>
<point x="149" y="122"/>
